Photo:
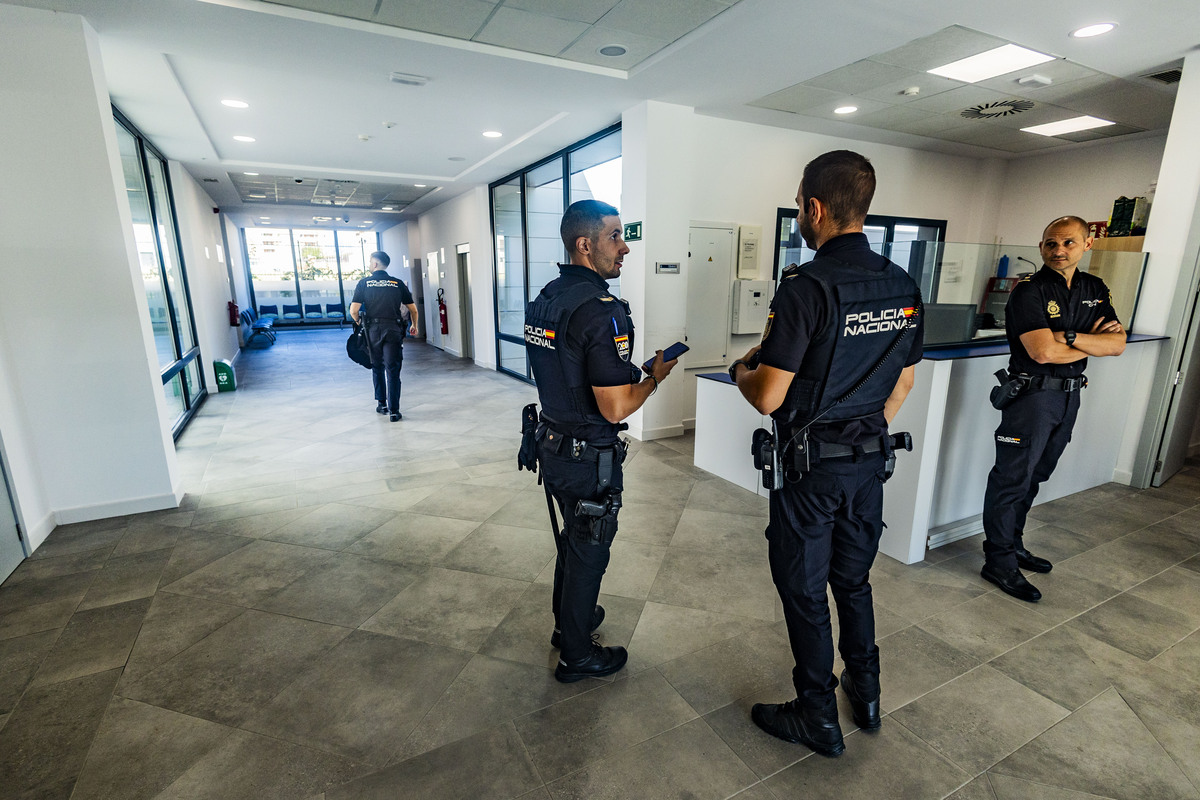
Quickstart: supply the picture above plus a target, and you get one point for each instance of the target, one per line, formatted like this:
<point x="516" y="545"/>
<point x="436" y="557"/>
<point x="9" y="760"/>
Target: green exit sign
<point x="633" y="231"/>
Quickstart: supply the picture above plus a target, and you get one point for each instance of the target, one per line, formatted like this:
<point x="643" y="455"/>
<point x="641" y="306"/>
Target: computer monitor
<point x="946" y="323"/>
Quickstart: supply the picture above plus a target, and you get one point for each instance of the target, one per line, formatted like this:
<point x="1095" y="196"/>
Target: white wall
<point x="237" y="266"/>
<point x="463" y="220"/>
<point x="207" y="272"/>
<point x="79" y="352"/>
<point x="1083" y="181"/>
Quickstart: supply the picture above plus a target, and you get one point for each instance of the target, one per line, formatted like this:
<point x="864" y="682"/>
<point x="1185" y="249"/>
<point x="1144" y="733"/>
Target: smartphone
<point x="670" y="354"/>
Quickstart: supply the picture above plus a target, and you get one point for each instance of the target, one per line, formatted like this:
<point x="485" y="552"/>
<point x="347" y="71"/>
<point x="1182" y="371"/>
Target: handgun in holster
<point x="527" y="455"/>
<point x="600" y="518"/>
<point x="1008" y="390"/>
<point x="891" y="443"/>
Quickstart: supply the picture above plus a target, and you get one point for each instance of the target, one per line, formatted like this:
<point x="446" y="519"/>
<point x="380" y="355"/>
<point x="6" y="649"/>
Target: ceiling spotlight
<point x="419" y="185"/>
<point x="243" y="138"/>
<point x="264" y="217"/>
<point x="1093" y="30"/>
<point x="1034" y="80"/>
<point x="251" y="174"/>
<point x="235" y="103"/>
<point x="492" y="134"/>
<point x="389" y="124"/>
<point x="257" y="196"/>
<point x="911" y="91"/>
<point x="364" y="137"/>
<point x="368" y="222"/>
<point x="388" y="208"/>
<point x="845" y="110"/>
<point x="612" y="50"/>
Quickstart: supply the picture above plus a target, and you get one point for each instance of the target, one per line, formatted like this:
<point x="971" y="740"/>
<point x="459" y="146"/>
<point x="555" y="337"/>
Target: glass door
<point x="509" y="230"/>
<point x="317" y="265"/>
<point x="12" y="550"/>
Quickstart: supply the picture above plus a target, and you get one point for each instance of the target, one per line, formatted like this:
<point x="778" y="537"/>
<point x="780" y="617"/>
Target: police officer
<point x="1054" y="320"/>
<point x="580" y="341"/>
<point x="836" y="361"/>
<point x="379" y="301"/>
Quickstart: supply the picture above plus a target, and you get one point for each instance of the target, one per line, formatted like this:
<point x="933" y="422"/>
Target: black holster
<point x="601" y="519"/>
<point x="527" y="455"/>
<point x="1008" y="390"/>
<point x="766" y="459"/>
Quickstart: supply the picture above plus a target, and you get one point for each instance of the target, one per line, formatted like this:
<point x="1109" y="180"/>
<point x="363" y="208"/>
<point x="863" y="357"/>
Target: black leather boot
<point x="597" y="618"/>
<point x="817" y="728"/>
<point x="1011" y="582"/>
<point x="599" y="662"/>
<point x="864" y="712"/>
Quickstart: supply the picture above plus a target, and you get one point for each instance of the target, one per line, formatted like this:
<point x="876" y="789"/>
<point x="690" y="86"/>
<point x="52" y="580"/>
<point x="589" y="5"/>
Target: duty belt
<point x="823" y="451"/>
<point x="1057" y="384"/>
<point x="604" y="455"/>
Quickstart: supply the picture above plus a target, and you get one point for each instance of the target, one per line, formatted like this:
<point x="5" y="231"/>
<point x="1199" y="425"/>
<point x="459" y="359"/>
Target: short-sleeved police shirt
<point x="382" y="296"/>
<point x="800" y="311"/>
<point x="1043" y="301"/>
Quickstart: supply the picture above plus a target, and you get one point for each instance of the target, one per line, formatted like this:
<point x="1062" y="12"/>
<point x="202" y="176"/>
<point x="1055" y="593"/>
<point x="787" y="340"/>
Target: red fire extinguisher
<point x="441" y="298"/>
<point x="234" y="321"/>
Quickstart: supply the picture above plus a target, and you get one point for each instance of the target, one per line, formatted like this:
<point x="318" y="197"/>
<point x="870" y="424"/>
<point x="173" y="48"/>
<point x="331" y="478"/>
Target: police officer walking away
<point x="836" y="361"/>
<point x="580" y="341"/>
<point x="379" y="302"/>
<point x="1054" y="320"/>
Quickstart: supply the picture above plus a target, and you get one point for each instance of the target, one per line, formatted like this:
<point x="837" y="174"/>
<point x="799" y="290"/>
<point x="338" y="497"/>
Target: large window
<point x="527" y="208"/>
<point x="148" y="187"/>
<point x="306" y="276"/>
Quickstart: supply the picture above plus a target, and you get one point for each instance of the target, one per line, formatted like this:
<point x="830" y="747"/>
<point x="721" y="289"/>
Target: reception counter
<point x="936" y="494"/>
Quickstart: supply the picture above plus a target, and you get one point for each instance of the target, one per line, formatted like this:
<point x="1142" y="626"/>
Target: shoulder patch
<point x="622" y="344"/>
<point x="767" y="330"/>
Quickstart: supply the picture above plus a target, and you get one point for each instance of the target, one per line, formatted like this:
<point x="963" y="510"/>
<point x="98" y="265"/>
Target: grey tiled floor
<point x="350" y="608"/>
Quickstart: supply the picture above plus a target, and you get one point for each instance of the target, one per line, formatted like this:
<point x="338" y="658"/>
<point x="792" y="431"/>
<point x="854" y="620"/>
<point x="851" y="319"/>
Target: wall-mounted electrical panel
<point x="751" y="302"/>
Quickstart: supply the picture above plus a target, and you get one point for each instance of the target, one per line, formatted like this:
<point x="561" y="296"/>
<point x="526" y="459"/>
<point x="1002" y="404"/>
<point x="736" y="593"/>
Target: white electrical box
<point x="749" y="239"/>
<point x="751" y="302"/>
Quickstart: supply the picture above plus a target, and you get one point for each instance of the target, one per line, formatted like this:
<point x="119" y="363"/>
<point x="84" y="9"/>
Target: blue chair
<point x="291" y="312"/>
<point x="268" y="312"/>
<point x="258" y="327"/>
<point x="313" y="311"/>
<point x="335" y="311"/>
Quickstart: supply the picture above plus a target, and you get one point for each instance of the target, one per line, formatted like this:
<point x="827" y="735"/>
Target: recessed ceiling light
<point x="251" y="174"/>
<point x="845" y="110"/>
<point x="998" y="61"/>
<point x="264" y="217"/>
<point x="388" y="208"/>
<point x="235" y="103"/>
<point x="243" y="138"/>
<point x="456" y="158"/>
<point x="1093" y="30"/>
<point x="612" y="50"/>
<point x="419" y="185"/>
<point x="368" y="222"/>
<point x="266" y="223"/>
<point x="493" y="134"/>
<point x="257" y="196"/>
<point x="1072" y="125"/>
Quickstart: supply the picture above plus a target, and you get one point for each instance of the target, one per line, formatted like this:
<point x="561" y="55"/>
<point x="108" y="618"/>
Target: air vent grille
<point x="1001" y="108"/>
<point x="210" y="180"/>
<point x="1166" y="76"/>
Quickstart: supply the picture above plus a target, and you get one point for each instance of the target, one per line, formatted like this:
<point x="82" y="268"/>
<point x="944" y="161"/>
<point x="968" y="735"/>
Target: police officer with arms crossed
<point x="836" y="361"/>
<point x="580" y="341"/>
<point x="1054" y="320"/>
<point x="380" y="300"/>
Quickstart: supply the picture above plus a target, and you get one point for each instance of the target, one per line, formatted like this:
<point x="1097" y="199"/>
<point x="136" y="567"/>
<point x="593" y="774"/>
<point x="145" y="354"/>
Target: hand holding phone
<point x="670" y="354"/>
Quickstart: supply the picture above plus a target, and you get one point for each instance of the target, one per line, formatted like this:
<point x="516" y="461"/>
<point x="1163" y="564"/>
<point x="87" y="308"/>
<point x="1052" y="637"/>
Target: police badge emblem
<point x="1052" y="309"/>
<point x="622" y="343"/>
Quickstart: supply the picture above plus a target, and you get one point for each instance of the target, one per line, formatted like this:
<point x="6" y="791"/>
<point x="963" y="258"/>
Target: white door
<point x="464" y="303"/>
<point x="709" y="295"/>
<point x="12" y="552"/>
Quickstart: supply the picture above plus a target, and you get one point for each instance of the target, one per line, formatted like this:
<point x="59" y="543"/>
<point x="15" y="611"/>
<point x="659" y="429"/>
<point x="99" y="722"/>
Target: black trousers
<point x="580" y="565"/>
<point x="387" y="356"/>
<point x="825" y="529"/>
<point x="1034" y="431"/>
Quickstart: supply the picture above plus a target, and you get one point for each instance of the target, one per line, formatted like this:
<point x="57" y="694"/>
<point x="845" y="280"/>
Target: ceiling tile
<point x="945" y="46"/>
<point x="857" y="77"/>
<point x="1060" y="71"/>
<point x="956" y="100"/>
<point x="1107" y="132"/>
<point x="354" y="9"/>
<point x="459" y="19"/>
<point x="1126" y="102"/>
<point x="532" y="33"/>
<point x="588" y="11"/>
<point x="825" y="110"/>
<point x="891" y="92"/>
<point x="661" y="19"/>
<point x="637" y="48"/>
<point x="893" y="116"/>
<point x="796" y="98"/>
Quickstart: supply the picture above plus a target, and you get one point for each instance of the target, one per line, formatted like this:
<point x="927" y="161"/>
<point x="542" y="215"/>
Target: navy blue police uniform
<point x="578" y="335"/>
<point x="832" y="322"/>
<point x="383" y="299"/>
<point x="1036" y="426"/>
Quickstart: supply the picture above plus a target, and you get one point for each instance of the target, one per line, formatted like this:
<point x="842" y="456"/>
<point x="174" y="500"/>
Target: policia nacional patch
<point x="622" y="343"/>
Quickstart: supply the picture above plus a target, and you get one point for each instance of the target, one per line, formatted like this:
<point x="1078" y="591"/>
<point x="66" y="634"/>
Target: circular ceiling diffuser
<point x="1001" y="108"/>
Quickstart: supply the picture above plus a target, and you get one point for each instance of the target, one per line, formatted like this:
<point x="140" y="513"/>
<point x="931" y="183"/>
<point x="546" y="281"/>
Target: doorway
<point x="12" y="548"/>
<point x="464" y="301"/>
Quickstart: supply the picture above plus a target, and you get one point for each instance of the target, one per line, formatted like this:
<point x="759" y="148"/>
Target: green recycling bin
<point x="226" y="381"/>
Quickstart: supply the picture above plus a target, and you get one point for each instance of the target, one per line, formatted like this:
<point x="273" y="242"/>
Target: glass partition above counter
<point x="966" y="286"/>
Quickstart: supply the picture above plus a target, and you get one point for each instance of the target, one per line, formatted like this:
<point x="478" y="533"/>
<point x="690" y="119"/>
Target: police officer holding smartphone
<point x="580" y="341"/>
<point x="1054" y="320"/>
<point x="836" y="362"/>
